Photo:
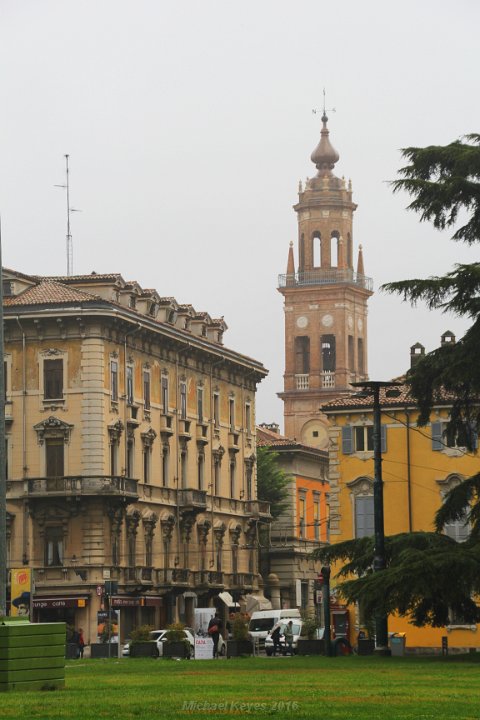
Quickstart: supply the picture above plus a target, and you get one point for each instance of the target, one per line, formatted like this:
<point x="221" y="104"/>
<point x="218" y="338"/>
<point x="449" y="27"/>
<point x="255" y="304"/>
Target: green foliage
<point x="272" y="481"/>
<point x="239" y="625"/>
<point x="427" y="576"/>
<point x="444" y="182"/>
<point x="310" y="626"/>
<point x="141" y="634"/>
<point x="175" y="633"/>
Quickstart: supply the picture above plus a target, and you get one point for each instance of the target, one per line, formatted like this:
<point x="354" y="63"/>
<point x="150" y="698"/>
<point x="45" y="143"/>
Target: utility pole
<point x="3" y="480"/>
<point x="372" y="387"/>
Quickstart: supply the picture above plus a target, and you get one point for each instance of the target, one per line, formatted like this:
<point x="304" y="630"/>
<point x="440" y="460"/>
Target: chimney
<point x="417" y="352"/>
<point x="448" y="338"/>
<point x="273" y="427"/>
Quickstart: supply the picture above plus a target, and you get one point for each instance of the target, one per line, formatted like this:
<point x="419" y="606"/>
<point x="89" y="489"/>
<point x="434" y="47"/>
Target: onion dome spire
<point x="324" y="156"/>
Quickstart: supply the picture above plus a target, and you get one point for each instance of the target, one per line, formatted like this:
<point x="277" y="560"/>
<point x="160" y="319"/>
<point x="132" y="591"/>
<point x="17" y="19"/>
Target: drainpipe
<point x="409" y="472"/>
<point x="24" y="443"/>
<point x="131" y="332"/>
<point x="212" y="462"/>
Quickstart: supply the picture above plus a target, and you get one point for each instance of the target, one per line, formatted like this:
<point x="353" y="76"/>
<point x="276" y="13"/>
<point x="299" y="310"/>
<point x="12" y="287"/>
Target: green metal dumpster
<point x="32" y="655"/>
<point x="397" y="644"/>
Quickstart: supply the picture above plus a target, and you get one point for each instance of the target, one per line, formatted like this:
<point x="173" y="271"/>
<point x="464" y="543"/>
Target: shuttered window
<point x="364" y="516"/>
<point x="53" y="379"/>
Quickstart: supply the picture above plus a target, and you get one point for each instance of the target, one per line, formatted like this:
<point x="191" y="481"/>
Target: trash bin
<point x="397" y="644"/>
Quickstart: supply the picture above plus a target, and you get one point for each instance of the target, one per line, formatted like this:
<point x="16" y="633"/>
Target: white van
<point x="263" y="621"/>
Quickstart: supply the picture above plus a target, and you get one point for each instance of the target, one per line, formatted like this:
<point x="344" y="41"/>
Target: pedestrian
<point x="80" y="643"/>
<point x="288" y="633"/>
<point x="275" y="635"/>
<point x="214" y="632"/>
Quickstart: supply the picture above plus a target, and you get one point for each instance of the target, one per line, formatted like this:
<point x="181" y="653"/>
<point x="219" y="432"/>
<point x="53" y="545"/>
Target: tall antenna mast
<point x="69" y="210"/>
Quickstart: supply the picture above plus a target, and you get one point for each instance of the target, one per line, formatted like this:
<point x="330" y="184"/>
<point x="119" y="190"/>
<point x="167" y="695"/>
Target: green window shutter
<point x="437" y="428"/>
<point x="347" y="439"/>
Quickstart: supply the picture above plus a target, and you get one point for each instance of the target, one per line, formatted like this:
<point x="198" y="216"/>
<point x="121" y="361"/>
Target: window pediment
<point x="52" y="428"/>
<point x="361" y="486"/>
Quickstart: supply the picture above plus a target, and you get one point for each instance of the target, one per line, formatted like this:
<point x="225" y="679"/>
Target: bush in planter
<point x="308" y="643"/>
<point x="141" y="644"/>
<point x="240" y="644"/>
<point x="176" y="645"/>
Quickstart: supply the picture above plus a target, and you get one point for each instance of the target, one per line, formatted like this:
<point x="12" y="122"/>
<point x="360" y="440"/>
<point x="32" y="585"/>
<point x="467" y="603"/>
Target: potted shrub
<point x="240" y="643"/>
<point x="308" y="643"/>
<point x="176" y="644"/>
<point x="104" y="648"/>
<point x="141" y="643"/>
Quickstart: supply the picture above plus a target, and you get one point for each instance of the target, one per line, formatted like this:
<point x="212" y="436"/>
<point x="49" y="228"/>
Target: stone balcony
<point x="191" y="500"/>
<point x="257" y="508"/>
<point x="326" y="276"/>
<point x="81" y="486"/>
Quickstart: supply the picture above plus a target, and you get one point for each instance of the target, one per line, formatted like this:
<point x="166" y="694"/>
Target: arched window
<point x="334" y="240"/>
<point x="317" y="249"/>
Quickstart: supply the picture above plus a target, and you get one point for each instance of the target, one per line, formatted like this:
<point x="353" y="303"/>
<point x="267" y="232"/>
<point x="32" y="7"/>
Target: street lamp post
<point x="372" y="387"/>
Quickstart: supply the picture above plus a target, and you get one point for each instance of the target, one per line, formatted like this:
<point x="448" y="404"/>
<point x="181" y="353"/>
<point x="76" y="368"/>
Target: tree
<point x="429" y="575"/>
<point x="272" y="481"/>
<point x="445" y="183"/>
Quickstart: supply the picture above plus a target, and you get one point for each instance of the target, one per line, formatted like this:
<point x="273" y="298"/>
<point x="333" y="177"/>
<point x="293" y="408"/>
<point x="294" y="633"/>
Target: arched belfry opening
<point x="326" y="300"/>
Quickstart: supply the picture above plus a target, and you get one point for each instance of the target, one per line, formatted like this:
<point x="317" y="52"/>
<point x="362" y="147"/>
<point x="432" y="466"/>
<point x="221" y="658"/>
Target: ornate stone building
<point x="130" y="433"/>
<point x="325" y="301"/>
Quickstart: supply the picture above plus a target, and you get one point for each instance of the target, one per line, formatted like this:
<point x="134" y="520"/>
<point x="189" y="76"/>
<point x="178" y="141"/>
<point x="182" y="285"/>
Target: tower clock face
<point x="327" y="321"/>
<point x="302" y="322"/>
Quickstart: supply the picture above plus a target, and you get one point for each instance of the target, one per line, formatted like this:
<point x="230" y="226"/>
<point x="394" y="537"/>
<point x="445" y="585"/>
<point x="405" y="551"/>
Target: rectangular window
<point x="129" y="385"/>
<point x="458" y="530"/>
<point x="165" y="459"/>
<point x="113" y="458"/>
<point x="316" y="518"/>
<point x="146" y="466"/>
<point x="130" y="456"/>
<point x="216" y="473"/>
<point x="53" y="379"/>
<point x="231" y="413"/>
<point x="301" y="513"/>
<point x="200" y="404"/>
<point x="361" y="358"/>
<point x="53" y="546"/>
<point x="201" y="470"/>
<point x="248" y="477"/>
<point x="54" y="456"/>
<point x="248" y="418"/>
<point x="232" y="478"/>
<point x="351" y="359"/>
<point x="364" y="438"/>
<point x="114" y="380"/>
<point x="146" y="389"/>
<point x="216" y="410"/>
<point x="165" y="394"/>
<point x="183" y="400"/>
<point x="5" y="377"/>
<point x="364" y="516"/>
<point x="183" y="469"/>
<point x="302" y="355"/>
<point x="329" y="360"/>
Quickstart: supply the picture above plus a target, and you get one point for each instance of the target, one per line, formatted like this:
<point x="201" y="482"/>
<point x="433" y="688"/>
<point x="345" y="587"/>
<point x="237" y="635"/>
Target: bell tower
<point x="325" y="301"/>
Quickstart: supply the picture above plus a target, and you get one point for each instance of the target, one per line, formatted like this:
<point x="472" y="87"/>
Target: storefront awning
<point x="60" y="601"/>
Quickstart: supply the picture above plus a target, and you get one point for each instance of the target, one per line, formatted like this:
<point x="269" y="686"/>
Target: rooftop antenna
<point x="314" y="110"/>
<point x="69" y="210"/>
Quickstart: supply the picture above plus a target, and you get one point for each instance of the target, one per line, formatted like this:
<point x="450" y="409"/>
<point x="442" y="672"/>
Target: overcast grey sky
<point x="189" y="125"/>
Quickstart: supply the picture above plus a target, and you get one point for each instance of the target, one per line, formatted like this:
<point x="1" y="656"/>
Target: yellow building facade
<point x="130" y="437"/>
<point x="418" y="468"/>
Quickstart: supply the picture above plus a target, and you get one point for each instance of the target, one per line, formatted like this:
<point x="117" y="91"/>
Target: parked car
<point x="160" y="636"/>
<point x="297" y="629"/>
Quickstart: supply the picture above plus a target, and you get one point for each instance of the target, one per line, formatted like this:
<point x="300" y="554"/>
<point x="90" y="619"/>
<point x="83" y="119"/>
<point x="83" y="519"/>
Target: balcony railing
<point x="192" y="499"/>
<point x="302" y="382"/>
<point x="328" y="379"/>
<point x="257" y="508"/>
<point x="241" y="580"/>
<point x="82" y="485"/>
<point x="331" y="276"/>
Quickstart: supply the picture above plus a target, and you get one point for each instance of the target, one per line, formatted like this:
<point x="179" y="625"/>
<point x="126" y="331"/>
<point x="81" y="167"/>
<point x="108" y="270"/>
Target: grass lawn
<point x="311" y="687"/>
